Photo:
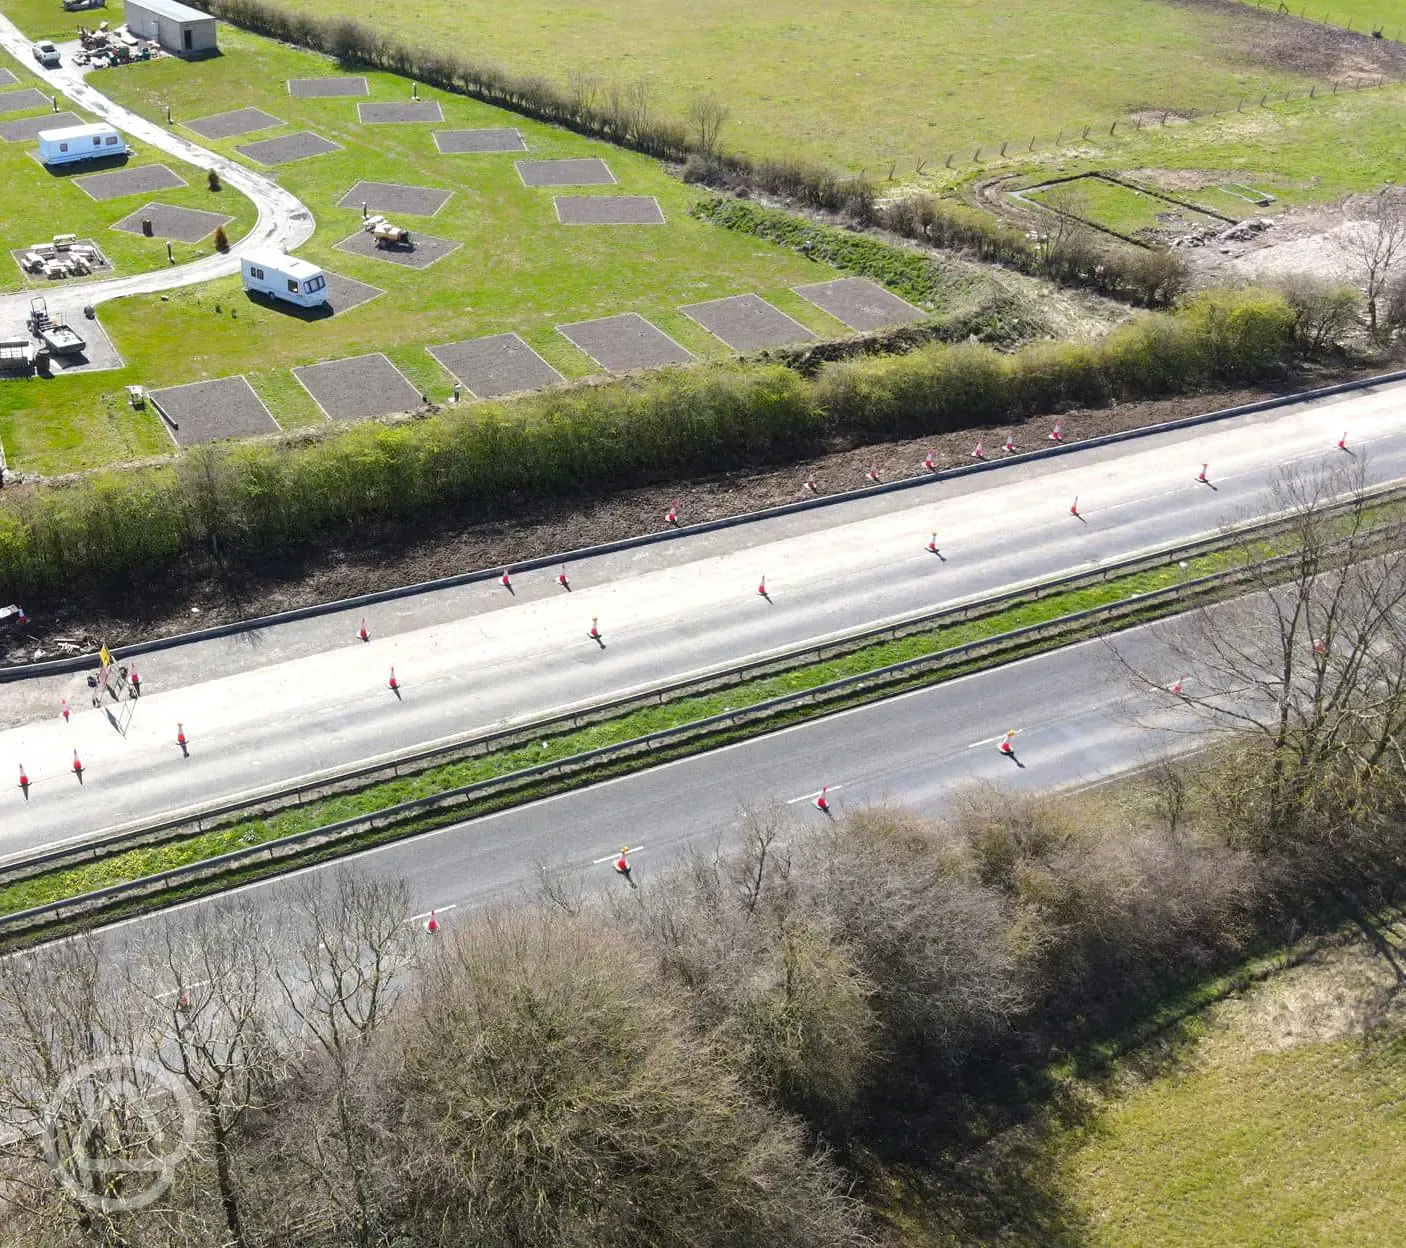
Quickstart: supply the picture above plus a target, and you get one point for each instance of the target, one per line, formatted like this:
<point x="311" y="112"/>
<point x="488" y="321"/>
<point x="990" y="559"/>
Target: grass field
<point x="38" y="204"/>
<point x="859" y="85"/>
<point x="1285" y="1123"/>
<point x="1120" y="208"/>
<point x="515" y="269"/>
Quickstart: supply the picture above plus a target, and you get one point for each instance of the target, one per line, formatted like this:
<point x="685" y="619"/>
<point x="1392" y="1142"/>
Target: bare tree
<point x="1373" y="242"/>
<point x="708" y="116"/>
<point x="1307" y="671"/>
<point x="1067" y="245"/>
<point x="583" y="89"/>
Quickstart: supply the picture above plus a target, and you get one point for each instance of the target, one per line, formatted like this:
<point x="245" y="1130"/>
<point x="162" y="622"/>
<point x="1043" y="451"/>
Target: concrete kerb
<point x="22" y="920"/>
<point x="78" y="663"/>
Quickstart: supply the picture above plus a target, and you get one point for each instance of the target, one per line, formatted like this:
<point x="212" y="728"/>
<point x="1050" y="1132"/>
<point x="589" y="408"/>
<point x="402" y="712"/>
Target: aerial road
<point x="272" y="704"/>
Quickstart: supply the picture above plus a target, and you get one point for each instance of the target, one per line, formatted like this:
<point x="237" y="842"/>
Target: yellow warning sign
<point x="105" y="656"/>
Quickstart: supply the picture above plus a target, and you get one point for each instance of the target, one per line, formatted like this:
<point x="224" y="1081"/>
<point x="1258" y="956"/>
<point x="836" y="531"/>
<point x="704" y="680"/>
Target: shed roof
<point x="172" y="9"/>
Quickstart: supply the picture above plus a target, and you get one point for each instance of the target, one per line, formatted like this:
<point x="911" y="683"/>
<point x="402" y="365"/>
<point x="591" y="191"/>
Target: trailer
<point x="271" y="272"/>
<point x="77" y="6"/>
<point x="74" y="143"/>
<point x="59" y="337"/>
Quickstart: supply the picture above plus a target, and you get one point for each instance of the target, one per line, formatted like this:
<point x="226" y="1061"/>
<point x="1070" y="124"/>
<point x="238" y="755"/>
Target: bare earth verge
<point x="201" y="592"/>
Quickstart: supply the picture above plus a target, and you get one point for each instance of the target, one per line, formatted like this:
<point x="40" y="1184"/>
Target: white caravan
<point x="74" y="143"/>
<point x="285" y="277"/>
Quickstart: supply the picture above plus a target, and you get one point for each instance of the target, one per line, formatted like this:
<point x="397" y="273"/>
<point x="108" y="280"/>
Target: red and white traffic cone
<point x="361" y="632"/>
<point x="181" y="736"/>
<point x="822" y="803"/>
<point x="65" y="711"/>
<point x="505" y="580"/>
<point x="1006" y="747"/>
<point x="1175" y="686"/>
<point x="761" y="587"/>
<point x="1009" y="444"/>
<point x="594" y="634"/>
<point x="1074" y="506"/>
<point x="561" y="578"/>
<point x="672" y="515"/>
<point x="77" y="765"/>
<point x="393" y="684"/>
<point x="432" y="924"/>
<point x="930" y="461"/>
<point x="1202" y="477"/>
<point x="24" y="619"/>
<point x="1342" y="441"/>
<point x="810" y="484"/>
<point x="932" y="543"/>
<point x="873" y="474"/>
<point x="1057" y="433"/>
<point x="979" y="451"/>
<point x="1320" y="646"/>
<point x="135" y="681"/>
<point x="24" y="783"/>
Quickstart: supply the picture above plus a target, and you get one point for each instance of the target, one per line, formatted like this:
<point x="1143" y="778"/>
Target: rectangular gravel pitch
<point x="139" y="181"/>
<point x="227" y="125"/>
<point x="359" y="388"/>
<point x="322" y="88"/>
<point x="455" y="142"/>
<point x="424" y="250"/>
<point x="591" y="171"/>
<point x="609" y="210"/>
<point x="181" y="225"/>
<point x="7" y="79"/>
<point x="620" y="344"/>
<point x="748" y="323"/>
<point x="382" y="114"/>
<point x="22" y="101"/>
<point x="490" y="367"/>
<point x="860" y="303"/>
<point x="396" y="197"/>
<point x="26" y="129"/>
<point x="206" y="411"/>
<point x="289" y="148"/>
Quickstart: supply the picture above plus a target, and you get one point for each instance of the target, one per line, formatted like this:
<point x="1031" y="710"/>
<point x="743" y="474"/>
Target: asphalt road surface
<point x="270" y="705"/>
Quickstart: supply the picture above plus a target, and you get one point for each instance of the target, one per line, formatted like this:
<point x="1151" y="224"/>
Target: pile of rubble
<point x="64" y="257"/>
<point x="1241" y="232"/>
<point x="103" y="48"/>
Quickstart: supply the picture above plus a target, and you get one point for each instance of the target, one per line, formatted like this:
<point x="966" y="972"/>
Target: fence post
<point x="976" y="156"/>
<point x="1031" y="148"/>
<point x="949" y="160"/>
<point x="1085" y="135"/>
<point x="1003" y="149"/>
<point x="1113" y="127"/>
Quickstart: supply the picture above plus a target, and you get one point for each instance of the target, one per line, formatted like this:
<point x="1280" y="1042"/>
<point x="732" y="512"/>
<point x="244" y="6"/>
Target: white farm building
<point x="176" y="27"/>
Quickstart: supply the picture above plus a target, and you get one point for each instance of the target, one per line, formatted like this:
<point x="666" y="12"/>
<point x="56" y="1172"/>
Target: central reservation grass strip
<point x="151" y="860"/>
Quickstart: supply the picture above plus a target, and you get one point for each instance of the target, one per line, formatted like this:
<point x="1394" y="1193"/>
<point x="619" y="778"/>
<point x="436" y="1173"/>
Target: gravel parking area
<point x="206" y="411"/>
<point x="860" y="303"/>
<point x="323" y="88"/>
<point x="7" y="79"/>
<point x="490" y="367"/>
<point x="22" y="101"/>
<point x="101" y="266"/>
<point x="424" y="249"/>
<point x="456" y="142"/>
<point x="381" y="114"/>
<point x="415" y="201"/>
<point x="359" y="388"/>
<point x="289" y="148"/>
<point x="591" y="171"/>
<point x="141" y="180"/>
<point x="26" y="129"/>
<point x="609" y="210"/>
<point x="227" y="125"/>
<point x="182" y="225"/>
<point x="620" y="344"/>
<point x="747" y="323"/>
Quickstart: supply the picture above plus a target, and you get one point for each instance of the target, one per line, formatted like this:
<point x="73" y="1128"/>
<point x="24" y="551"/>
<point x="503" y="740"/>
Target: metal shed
<point x="176" y="27"/>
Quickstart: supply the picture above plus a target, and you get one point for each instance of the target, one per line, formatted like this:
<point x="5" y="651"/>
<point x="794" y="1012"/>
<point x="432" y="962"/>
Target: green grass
<point x="1121" y="208"/>
<point x="1361" y="15"/>
<point x="517" y="269"/>
<point x="857" y="85"/>
<point x="147" y="861"/>
<point x="45" y="19"/>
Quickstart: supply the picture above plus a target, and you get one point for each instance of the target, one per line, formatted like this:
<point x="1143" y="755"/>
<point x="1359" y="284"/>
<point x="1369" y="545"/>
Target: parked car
<point x="46" y="54"/>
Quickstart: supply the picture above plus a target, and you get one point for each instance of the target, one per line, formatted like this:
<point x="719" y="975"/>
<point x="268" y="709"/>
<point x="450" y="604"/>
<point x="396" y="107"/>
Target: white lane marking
<point x="199" y="983"/>
<point x="990" y="740"/>
<point x="810" y="797"/>
<point x="415" y="918"/>
<point x="612" y="857"/>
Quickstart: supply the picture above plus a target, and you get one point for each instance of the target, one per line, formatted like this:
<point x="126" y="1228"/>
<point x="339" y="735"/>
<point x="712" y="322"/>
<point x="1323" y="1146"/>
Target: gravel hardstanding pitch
<point x="747" y="323"/>
<point x="21" y="101"/>
<point x="396" y="197"/>
<point x="323" y="88"/>
<point x="289" y="148"/>
<point x="27" y="128"/>
<point x="141" y="180"/>
<point x="860" y="303"/>
<point x="206" y="411"/>
<point x="591" y="171"/>
<point x="620" y="344"/>
<point x="490" y="367"/>
<point x="455" y="142"/>
<point x="7" y="79"/>
<point x="424" y="249"/>
<point x="183" y="225"/>
<point x="609" y="210"/>
<point x="359" y="388"/>
<point x="227" y="125"/>
<point x="385" y="113"/>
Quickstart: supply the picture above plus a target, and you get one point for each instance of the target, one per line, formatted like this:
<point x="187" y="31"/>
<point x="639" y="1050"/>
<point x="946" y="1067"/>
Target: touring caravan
<point x="284" y="277"/>
<point x="74" y="143"/>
